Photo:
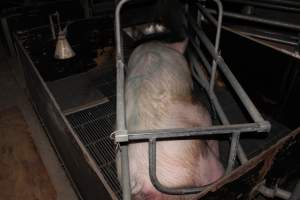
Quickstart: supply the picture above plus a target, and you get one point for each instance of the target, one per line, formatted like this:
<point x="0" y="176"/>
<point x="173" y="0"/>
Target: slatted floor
<point x="94" y="126"/>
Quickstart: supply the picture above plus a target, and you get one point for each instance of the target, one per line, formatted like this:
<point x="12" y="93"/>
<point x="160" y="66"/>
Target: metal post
<point x="7" y="35"/>
<point x="126" y="189"/>
<point x="217" y="42"/>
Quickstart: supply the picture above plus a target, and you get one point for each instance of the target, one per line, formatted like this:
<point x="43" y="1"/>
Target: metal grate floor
<point x="94" y="126"/>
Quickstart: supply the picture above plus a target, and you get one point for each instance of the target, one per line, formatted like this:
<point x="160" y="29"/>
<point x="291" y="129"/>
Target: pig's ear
<point x="179" y="46"/>
<point x="182" y="46"/>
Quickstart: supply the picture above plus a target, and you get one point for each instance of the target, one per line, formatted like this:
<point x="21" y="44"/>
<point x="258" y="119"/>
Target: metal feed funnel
<point x="63" y="49"/>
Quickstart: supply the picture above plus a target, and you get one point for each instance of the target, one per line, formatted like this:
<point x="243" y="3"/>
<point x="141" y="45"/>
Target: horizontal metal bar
<point x="180" y="133"/>
<point x="259" y="20"/>
<point x="268" y="37"/>
<point x="285" y="2"/>
<point x="265" y="5"/>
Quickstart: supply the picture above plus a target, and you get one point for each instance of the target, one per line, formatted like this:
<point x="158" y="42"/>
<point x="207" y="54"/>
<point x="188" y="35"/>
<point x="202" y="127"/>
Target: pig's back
<point x="156" y="76"/>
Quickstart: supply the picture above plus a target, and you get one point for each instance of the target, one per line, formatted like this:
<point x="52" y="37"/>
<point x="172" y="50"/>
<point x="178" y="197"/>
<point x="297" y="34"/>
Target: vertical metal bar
<point x="7" y="35"/>
<point x="217" y="42"/>
<point x="233" y="152"/>
<point x="126" y="191"/>
<point x="118" y="35"/>
<point x="52" y="27"/>
<point x="120" y="103"/>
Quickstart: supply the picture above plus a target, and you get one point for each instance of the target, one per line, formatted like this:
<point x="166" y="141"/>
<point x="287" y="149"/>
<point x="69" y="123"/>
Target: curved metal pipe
<point x="155" y="181"/>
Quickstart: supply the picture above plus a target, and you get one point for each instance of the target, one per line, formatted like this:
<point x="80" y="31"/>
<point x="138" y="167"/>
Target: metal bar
<point x="217" y="42"/>
<point x="233" y="152"/>
<point x="52" y="27"/>
<point x="120" y="68"/>
<point x="270" y="38"/>
<point x="285" y="2"/>
<point x="212" y="19"/>
<point x="192" y="132"/>
<point x="218" y="25"/>
<point x="259" y="20"/>
<point x="155" y="181"/>
<point x="126" y="189"/>
<point x="7" y="35"/>
<point x="207" y="14"/>
<point x="120" y="118"/>
<point x="256" y="116"/>
<point x="201" y="55"/>
<point x="118" y="34"/>
<point x="265" y="5"/>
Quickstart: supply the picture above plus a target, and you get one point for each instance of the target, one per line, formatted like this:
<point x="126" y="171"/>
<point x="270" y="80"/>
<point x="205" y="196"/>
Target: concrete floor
<point x="12" y="87"/>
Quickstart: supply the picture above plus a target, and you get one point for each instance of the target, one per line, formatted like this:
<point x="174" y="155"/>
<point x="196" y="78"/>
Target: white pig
<point x="158" y="95"/>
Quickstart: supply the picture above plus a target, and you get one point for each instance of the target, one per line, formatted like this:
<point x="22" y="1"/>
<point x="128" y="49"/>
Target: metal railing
<point x="124" y="137"/>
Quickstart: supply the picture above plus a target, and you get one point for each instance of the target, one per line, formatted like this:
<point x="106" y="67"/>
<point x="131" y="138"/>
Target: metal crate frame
<point x="123" y="137"/>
